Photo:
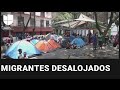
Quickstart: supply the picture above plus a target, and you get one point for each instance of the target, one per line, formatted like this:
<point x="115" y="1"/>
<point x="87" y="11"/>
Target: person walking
<point x="100" y="41"/>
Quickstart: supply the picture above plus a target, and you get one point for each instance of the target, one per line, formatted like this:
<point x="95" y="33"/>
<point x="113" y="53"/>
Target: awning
<point x="30" y="29"/>
<point x="73" y="24"/>
<point x="7" y="28"/>
<point x="63" y="21"/>
<point x="85" y="18"/>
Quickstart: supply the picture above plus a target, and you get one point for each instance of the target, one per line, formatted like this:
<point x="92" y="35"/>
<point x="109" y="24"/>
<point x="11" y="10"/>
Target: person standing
<point x="94" y="40"/>
<point x="100" y="41"/>
<point x="89" y="37"/>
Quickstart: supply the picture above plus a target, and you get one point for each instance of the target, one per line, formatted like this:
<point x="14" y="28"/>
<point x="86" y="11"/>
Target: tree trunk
<point x="22" y="24"/>
<point x="25" y="26"/>
<point x="111" y="22"/>
<point x="97" y="25"/>
<point x="34" y="25"/>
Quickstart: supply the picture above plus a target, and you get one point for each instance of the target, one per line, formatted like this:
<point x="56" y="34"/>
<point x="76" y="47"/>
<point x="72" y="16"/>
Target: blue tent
<point x="72" y="38"/>
<point x="34" y="41"/>
<point x="26" y="46"/>
<point x="78" y="41"/>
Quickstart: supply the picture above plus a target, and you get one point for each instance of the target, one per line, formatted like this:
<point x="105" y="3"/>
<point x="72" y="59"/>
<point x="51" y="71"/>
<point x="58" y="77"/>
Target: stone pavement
<point x="86" y="52"/>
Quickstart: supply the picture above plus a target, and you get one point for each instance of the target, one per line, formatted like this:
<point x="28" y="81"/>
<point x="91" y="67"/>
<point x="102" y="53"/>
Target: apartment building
<point x="43" y="23"/>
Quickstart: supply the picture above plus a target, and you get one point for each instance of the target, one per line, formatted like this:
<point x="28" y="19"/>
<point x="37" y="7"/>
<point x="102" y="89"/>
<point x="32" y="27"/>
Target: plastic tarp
<point x="44" y="46"/>
<point x="78" y="41"/>
<point x="34" y="41"/>
<point x="73" y="24"/>
<point x="83" y="17"/>
<point x="25" y="46"/>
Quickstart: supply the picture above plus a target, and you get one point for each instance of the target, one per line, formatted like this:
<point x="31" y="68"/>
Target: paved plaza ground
<point x="85" y="52"/>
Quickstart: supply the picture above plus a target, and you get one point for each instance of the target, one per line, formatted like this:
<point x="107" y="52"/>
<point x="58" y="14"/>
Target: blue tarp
<point x="26" y="46"/>
<point x="78" y="41"/>
<point x="34" y="41"/>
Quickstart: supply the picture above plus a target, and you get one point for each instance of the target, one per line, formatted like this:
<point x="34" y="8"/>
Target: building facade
<point x="43" y="23"/>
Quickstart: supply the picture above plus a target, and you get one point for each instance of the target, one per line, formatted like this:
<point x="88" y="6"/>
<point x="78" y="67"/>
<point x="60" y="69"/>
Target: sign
<point x="8" y="19"/>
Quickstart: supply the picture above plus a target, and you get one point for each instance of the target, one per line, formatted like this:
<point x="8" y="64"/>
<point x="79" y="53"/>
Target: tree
<point x="66" y="17"/>
<point x="114" y="17"/>
<point x="25" y="26"/>
<point x="61" y="16"/>
<point x="34" y="25"/>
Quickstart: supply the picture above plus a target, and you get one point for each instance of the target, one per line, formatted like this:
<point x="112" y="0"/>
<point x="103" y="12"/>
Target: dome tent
<point x="34" y="41"/>
<point x="26" y="46"/>
<point x="53" y="43"/>
<point x="44" y="46"/>
<point x="78" y="41"/>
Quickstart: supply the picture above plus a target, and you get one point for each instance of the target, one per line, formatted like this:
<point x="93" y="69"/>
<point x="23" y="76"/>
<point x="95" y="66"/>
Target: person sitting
<point x="74" y="46"/>
<point x="52" y="36"/>
<point x="20" y="56"/>
<point x="25" y="56"/>
<point x="68" y="46"/>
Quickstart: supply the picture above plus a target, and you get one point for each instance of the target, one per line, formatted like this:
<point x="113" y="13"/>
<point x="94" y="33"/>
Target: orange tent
<point x="53" y="43"/>
<point x="44" y="46"/>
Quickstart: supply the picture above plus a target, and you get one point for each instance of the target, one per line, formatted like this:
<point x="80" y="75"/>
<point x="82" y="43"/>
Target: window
<point x="37" y="13"/>
<point x="21" y="12"/>
<point x="47" y="23"/>
<point x="32" y="22"/>
<point x="32" y="13"/>
<point x="26" y="12"/>
<point x="20" y="21"/>
<point x="42" y="23"/>
<point x="42" y="14"/>
<point x="48" y="15"/>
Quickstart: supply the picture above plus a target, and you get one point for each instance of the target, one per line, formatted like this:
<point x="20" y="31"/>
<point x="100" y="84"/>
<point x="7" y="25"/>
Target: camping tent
<point x="55" y="37"/>
<point x="25" y="46"/>
<point x="47" y="37"/>
<point x="78" y="41"/>
<point x="72" y="38"/>
<point x="34" y="41"/>
<point x="44" y="46"/>
<point x="53" y="43"/>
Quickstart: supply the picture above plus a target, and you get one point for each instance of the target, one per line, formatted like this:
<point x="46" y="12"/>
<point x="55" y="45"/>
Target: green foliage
<point x="66" y="16"/>
<point x="62" y="16"/>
